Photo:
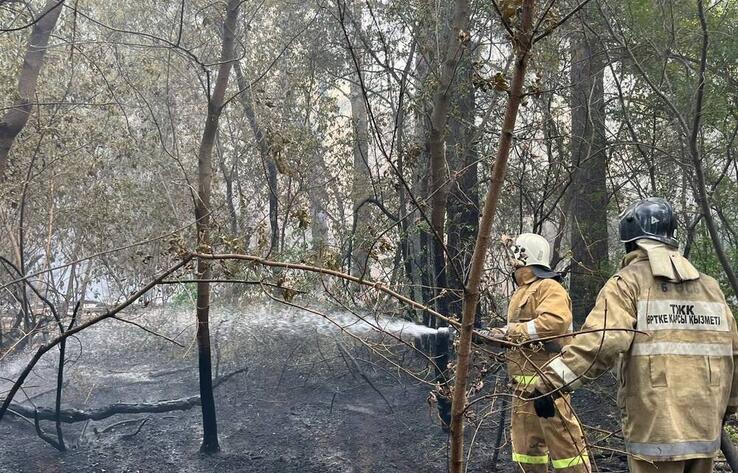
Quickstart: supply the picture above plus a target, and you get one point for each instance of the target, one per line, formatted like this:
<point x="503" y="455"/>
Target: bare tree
<point x="522" y="43"/>
<point x="216" y="102"/>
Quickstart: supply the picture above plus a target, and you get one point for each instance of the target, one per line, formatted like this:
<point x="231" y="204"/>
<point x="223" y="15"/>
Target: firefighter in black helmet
<point x="675" y="339"/>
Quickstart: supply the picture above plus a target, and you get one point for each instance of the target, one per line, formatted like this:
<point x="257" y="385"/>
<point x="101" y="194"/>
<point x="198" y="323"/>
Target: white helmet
<point x="531" y="249"/>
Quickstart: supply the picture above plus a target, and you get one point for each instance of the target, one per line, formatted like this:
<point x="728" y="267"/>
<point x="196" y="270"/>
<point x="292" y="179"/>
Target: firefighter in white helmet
<point x="677" y="372"/>
<point x="540" y="307"/>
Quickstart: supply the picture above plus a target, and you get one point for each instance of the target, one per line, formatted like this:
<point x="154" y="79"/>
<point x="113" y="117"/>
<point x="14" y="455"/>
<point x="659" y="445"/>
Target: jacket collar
<point x="633" y="257"/>
<point x="665" y="261"/>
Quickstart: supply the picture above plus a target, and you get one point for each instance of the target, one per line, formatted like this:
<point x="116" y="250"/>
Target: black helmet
<point x="651" y="218"/>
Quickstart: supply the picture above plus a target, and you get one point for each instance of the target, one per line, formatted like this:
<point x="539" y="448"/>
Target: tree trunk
<point x="418" y="234"/>
<point x="361" y="187"/>
<point x="588" y="225"/>
<point x="202" y="214"/>
<point x="404" y="225"/>
<point x="16" y="117"/>
<point x="229" y="175"/>
<point x="463" y="199"/>
<point x="522" y="44"/>
<point x="458" y="38"/>
<point x="318" y="197"/>
<point x="267" y="160"/>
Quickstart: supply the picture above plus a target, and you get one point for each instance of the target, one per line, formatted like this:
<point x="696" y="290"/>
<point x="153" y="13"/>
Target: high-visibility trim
<point x="681" y="315"/>
<point x="564" y="372"/>
<point x="673" y="449"/>
<point x="525" y="379"/>
<point x="530" y="459"/>
<point x="681" y="348"/>
<point x="569" y="462"/>
<point x="531" y="328"/>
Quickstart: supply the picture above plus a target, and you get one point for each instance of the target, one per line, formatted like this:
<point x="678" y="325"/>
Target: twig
<point x="363" y="375"/>
<point x="128" y="436"/>
<point x="118" y="424"/>
<point x="560" y="22"/>
<point x="148" y="330"/>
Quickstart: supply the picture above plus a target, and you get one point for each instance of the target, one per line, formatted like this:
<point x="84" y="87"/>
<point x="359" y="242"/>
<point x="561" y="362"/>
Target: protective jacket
<point x="677" y="373"/>
<point x="539" y="308"/>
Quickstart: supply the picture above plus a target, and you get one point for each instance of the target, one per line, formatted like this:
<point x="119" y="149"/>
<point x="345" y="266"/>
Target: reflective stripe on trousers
<point x="530" y="459"/>
<point x="673" y="449"/>
<point x="526" y="379"/>
<point x="543" y="460"/>
<point x="559" y="439"/>
<point x="567" y="462"/>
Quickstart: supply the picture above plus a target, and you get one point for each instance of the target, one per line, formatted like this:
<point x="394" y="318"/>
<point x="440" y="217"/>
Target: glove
<point x="496" y="333"/>
<point x="544" y="405"/>
<point x="499" y="333"/>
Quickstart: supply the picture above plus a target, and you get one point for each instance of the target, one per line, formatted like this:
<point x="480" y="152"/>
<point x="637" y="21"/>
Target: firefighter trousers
<point x="536" y="441"/>
<point x="696" y="465"/>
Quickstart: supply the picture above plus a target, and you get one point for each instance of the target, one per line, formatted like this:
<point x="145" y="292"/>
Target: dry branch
<point x="521" y="44"/>
<point x="69" y="416"/>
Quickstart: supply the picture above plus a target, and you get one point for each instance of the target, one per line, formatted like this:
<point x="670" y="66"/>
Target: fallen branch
<point x="57" y="444"/>
<point x="226" y="377"/>
<point x="70" y="416"/>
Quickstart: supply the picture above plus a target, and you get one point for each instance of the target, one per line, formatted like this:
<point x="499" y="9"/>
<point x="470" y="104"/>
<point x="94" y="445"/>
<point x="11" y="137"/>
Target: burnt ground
<point x="303" y="405"/>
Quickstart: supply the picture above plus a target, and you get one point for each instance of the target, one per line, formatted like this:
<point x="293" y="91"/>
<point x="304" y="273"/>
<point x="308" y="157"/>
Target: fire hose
<point x="729" y="450"/>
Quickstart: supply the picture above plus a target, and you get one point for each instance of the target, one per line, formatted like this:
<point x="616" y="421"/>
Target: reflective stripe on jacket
<point x="677" y="378"/>
<point x="538" y="308"/>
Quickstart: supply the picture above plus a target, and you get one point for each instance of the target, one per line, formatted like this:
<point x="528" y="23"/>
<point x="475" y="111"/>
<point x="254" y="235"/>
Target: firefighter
<point x="676" y="373"/>
<point x="540" y="307"/>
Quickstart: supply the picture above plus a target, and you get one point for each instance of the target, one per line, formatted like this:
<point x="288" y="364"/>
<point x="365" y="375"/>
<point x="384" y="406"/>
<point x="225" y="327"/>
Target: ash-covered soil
<point x="313" y="400"/>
